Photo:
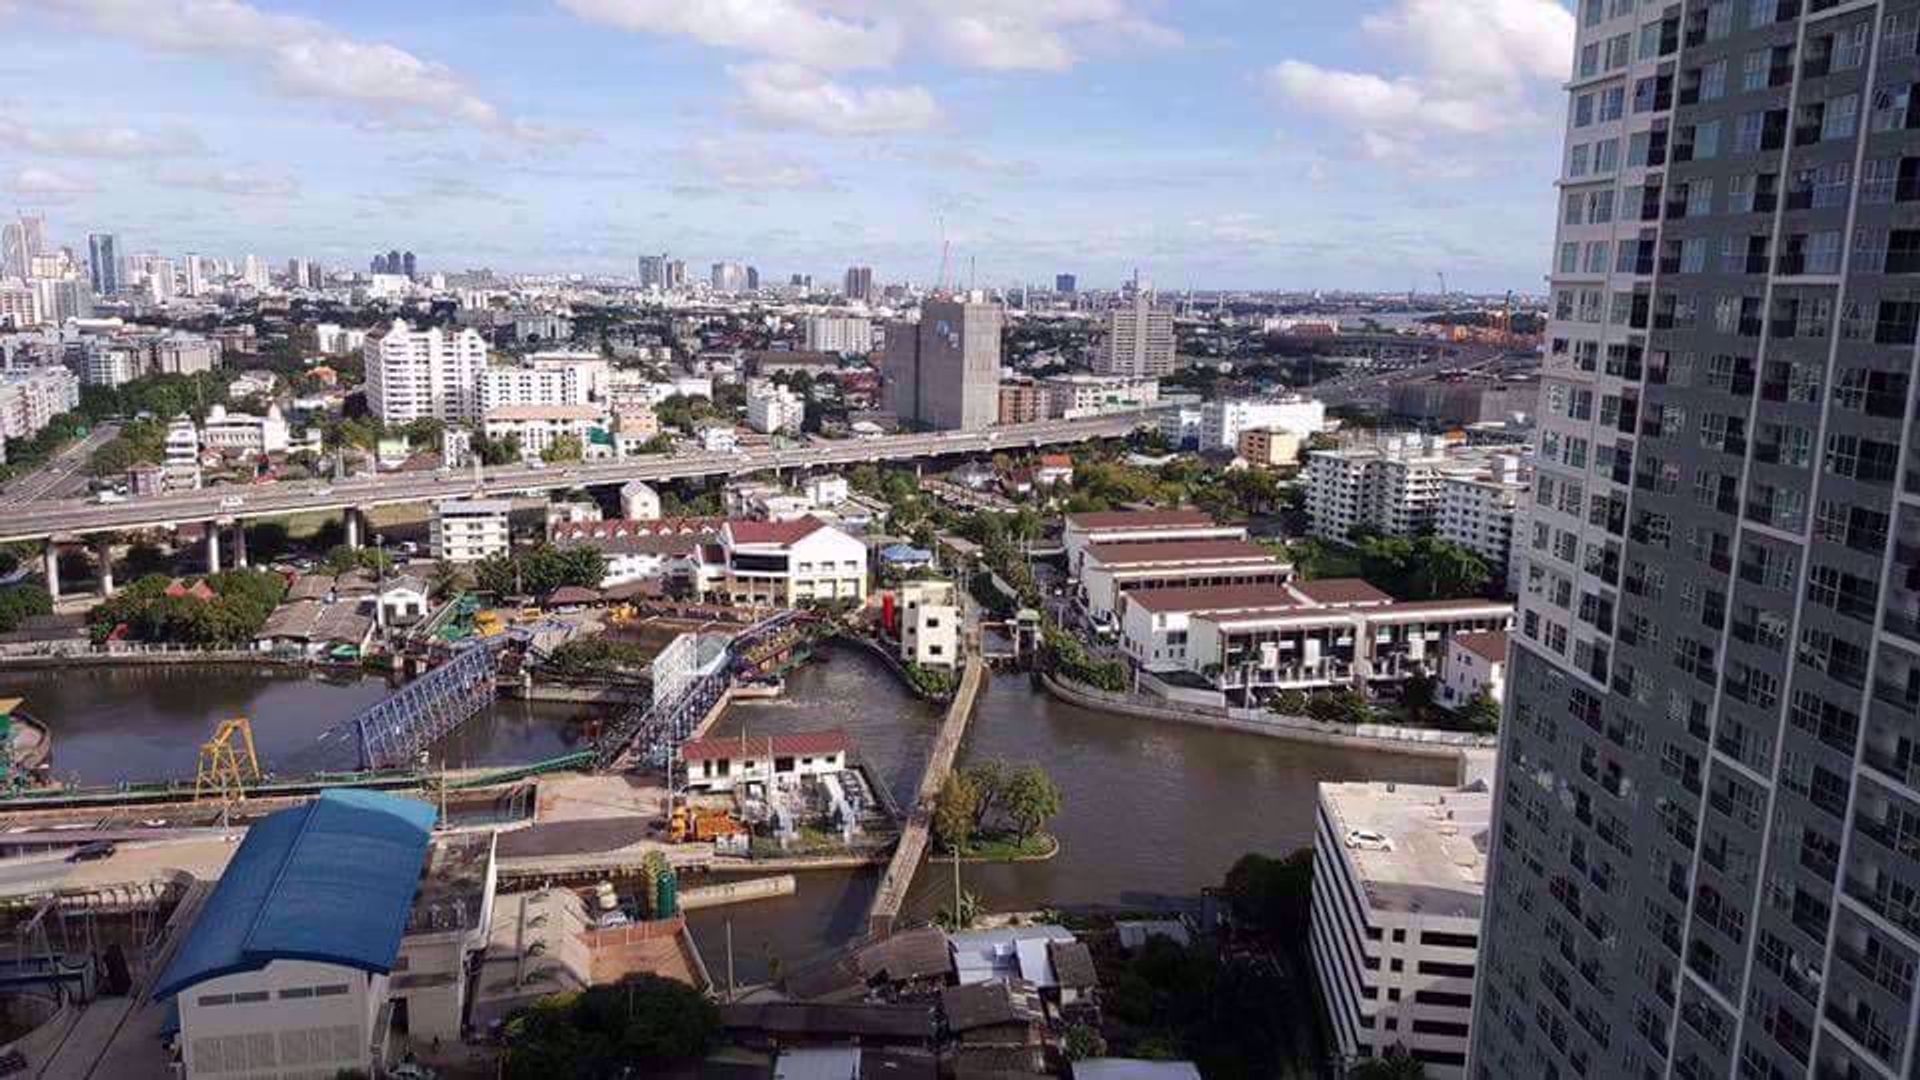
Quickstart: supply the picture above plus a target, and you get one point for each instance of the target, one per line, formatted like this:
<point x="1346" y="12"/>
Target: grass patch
<point x="1006" y="847"/>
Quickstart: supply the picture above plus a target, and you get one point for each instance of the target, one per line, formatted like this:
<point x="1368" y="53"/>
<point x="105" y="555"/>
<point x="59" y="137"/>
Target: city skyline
<point x="1214" y="146"/>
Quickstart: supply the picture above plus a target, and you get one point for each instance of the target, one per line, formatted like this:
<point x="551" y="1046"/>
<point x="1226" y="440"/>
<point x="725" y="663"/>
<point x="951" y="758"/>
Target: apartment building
<point x="1022" y="401"/>
<point x="538" y="427"/>
<point x="788" y="563"/>
<point x="1078" y="394"/>
<point x="1139" y="340"/>
<point x="469" y="530"/>
<point x="1480" y="510"/>
<point x="773" y="408"/>
<point x="1710" y="869"/>
<point x="1221" y="422"/>
<point x="944" y="371"/>
<point x="1109" y="570"/>
<point x="1408" y="485"/>
<point x="929" y="623"/>
<point x="421" y="374"/>
<point x="1268" y="448"/>
<point x="842" y="334"/>
<point x="1248" y="642"/>
<point x="30" y="398"/>
<point x="1399" y="876"/>
<point x="547" y="379"/>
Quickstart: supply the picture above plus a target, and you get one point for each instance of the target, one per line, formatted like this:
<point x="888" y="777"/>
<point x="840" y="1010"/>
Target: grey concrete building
<point x="944" y="372"/>
<point x="1707" y="814"/>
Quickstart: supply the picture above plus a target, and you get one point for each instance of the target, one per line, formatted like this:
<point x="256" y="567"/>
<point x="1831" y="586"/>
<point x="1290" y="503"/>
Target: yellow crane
<point x="227" y="763"/>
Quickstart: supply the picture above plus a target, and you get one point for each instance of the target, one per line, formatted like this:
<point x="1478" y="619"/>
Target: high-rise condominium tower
<point x="944" y="371"/>
<point x="859" y="283"/>
<point x="1139" y="337"/>
<point x="103" y="263"/>
<point x="1706" y="845"/>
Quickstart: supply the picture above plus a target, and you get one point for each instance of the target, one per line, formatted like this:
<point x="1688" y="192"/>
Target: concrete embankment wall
<point x="1452" y="746"/>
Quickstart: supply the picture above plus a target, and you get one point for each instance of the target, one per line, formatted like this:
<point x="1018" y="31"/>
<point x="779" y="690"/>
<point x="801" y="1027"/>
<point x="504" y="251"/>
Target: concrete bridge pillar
<point x="103" y="554"/>
<point x="53" y="569"/>
<point x="213" y="547"/>
<point x="240" y="545"/>
<point x="353" y="528"/>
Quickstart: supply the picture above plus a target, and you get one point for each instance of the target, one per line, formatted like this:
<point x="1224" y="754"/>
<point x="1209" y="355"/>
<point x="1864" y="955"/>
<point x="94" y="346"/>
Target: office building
<point x="19" y="304"/>
<point x="1704" y="862"/>
<point x="21" y="240"/>
<point x="774" y="408"/>
<point x="1065" y="284"/>
<point x="1465" y="399"/>
<point x="1399" y="877"/>
<point x="469" y="530"/>
<point x="859" y="284"/>
<point x="653" y="272"/>
<point x="944" y="372"/>
<point x="843" y="334"/>
<point x="64" y="297"/>
<point x="408" y="267"/>
<point x="1139" y="338"/>
<point x="728" y="277"/>
<point x="1222" y="421"/>
<point x="103" y="263"/>
<point x="434" y="373"/>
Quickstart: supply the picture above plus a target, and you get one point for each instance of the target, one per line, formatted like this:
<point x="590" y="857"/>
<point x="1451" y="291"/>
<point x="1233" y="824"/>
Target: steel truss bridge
<point x="393" y="733"/>
<point x="653" y="733"/>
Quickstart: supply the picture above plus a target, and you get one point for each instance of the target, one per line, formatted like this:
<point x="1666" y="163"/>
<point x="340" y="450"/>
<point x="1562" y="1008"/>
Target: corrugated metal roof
<point x="795" y="744"/>
<point x="331" y="881"/>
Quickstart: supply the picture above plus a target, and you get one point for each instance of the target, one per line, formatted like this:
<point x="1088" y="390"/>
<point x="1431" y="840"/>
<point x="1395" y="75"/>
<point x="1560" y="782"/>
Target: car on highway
<point x="108" y="497"/>
<point x="99" y="849"/>
<point x="324" y="490"/>
<point x="232" y="502"/>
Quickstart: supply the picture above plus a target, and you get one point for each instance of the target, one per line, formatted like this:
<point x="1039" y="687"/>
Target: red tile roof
<point x="1489" y="645"/>
<point x="795" y="744"/>
<point x="1124" y="554"/>
<point x="1139" y="519"/>
<point x="1218" y="597"/>
<point x="622" y="527"/>
<point x="1056" y="461"/>
<point x="1341" y="592"/>
<point x="774" y="532"/>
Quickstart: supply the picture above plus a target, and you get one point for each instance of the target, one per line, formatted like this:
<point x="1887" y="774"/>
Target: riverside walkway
<point x="892" y="895"/>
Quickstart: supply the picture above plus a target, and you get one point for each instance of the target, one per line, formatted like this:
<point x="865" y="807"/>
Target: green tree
<point x="1417" y="696"/>
<point x="1290" y="703"/>
<point x="631" y="1027"/>
<point x="953" y="812"/>
<point x="1397" y="1064"/>
<point x="1442" y="570"/>
<point x="1032" y="799"/>
<point x="1271" y="896"/>
<point x="1082" y="1042"/>
<point x="445" y="579"/>
<point x="21" y="601"/>
<point x="1340" y="707"/>
<point x="497" y="574"/>
<point x="989" y="781"/>
<point x="492" y="451"/>
<point x="565" y="448"/>
<point x="1482" y="714"/>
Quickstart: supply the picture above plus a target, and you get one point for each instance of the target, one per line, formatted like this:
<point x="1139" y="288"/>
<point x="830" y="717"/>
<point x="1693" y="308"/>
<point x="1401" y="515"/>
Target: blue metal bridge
<point x="393" y="733"/>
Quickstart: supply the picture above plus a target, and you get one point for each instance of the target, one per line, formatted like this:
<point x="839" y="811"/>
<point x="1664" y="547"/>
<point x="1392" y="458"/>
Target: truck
<point x="691" y="824"/>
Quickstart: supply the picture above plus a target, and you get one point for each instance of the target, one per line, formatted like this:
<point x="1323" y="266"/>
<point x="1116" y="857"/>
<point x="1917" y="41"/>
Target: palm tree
<point x="446" y="579"/>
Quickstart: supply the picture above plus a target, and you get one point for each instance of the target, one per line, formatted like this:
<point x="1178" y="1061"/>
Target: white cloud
<point x="241" y="183"/>
<point x="302" y="57"/>
<point x="1470" y="69"/>
<point x="789" y="95"/>
<point x="97" y="141"/>
<point x="714" y="165"/>
<point x="802" y="31"/>
<point x="38" y="181"/>
<point x="1043" y="35"/>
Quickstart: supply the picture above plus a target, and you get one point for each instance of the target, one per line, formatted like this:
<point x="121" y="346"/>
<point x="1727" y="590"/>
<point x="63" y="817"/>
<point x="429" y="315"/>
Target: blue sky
<point x="1211" y="143"/>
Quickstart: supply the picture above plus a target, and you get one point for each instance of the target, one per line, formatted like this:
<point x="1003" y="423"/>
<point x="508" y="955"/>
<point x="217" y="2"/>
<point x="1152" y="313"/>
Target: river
<point x="1151" y="811"/>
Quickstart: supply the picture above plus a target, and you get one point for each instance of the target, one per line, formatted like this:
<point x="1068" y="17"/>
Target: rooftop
<point x="1341" y="592"/>
<point x="796" y="744"/>
<point x="780" y="533"/>
<point x="453" y="886"/>
<point x="1180" y="551"/>
<point x="331" y="881"/>
<point x="1120" y="520"/>
<point x="1489" y="645"/>
<point x="545" y="412"/>
<point x="1434" y="858"/>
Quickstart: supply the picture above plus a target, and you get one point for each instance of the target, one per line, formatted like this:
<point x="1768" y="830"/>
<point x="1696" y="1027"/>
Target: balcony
<point x="1864" y="1030"/>
<point x="1882" y="901"/>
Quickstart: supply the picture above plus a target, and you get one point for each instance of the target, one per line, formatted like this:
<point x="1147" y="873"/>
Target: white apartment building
<point x="838" y="334"/>
<point x="1139" y="339"/>
<point x="538" y="427"/>
<point x="1478" y="509"/>
<point x="31" y="398"/>
<point x="639" y="502"/>
<point x="415" y="374"/>
<point x="1221" y="422"/>
<point x="19" y="304"/>
<point x="244" y="433"/>
<point x="1409" y="485"/>
<point x="182" y="461"/>
<point x="1109" y="570"/>
<point x="774" y="408"/>
<point x="112" y="363"/>
<point x="469" y="530"/>
<point x="185" y="354"/>
<point x="1181" y="426"/>
<point x="548" y="378"/>
<point x="335" y="340"/>
<point x="1474" y="663"/>
<point x="929" y="623"/>
<point x="1399" y="877"/>
<point x="1074" y="395"/>
<point x="786" y="563"/>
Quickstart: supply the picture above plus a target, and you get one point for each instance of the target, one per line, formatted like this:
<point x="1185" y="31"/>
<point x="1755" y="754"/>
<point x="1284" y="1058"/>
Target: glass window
<point x="1841" y="118"/>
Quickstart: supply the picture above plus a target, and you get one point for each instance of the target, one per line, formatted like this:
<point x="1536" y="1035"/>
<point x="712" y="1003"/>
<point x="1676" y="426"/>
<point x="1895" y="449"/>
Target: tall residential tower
<point x="1707" y="811"/>
<point x="944" y="372"/>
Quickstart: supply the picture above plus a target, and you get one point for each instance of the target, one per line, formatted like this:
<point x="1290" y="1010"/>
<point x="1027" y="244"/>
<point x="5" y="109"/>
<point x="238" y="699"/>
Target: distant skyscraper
<point x="103" y="263"/>
<point x="196" y="275"/>
<point x="1139" y="338"/>
<point x="253" y="271"/>
<point x="408" y="266"/>
<point x="378" y="265"/>
<point x="859" y="285"/>
<point x="653" y="272"/>
<point x="728" y="277"/>
<point x="753" y="278"/>
<point x="801" y="281"/>
<point x="676" y="273"/>
<point x="394" y="265"/>
<point x="20" y="241"/>
<point x="944" y="372"/>
<point x="1066" y="284"/>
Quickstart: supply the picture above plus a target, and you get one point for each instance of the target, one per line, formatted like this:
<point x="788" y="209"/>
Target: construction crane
<point x="227" y="763"/>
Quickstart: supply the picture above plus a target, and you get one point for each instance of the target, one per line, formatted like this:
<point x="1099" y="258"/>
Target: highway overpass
<point x="73" y="519"/>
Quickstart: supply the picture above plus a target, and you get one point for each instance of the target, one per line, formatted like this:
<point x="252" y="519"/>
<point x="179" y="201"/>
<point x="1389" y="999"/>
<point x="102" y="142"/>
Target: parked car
<point x="232" y="502"/>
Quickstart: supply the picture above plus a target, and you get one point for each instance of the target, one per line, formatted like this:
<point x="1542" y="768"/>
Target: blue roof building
<point x="905" y="555"/>
<point x="286" y="964"/>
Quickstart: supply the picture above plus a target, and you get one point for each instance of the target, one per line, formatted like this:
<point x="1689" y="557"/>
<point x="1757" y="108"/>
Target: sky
<point x="1236" y="144"/>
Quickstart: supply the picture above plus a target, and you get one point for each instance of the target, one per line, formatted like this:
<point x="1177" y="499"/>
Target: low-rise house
<point x="788" y="563"/>
<point x="1112" y="527"/>
<point x="404" y="600"/>
<point x="721" y="764"/>
<point x="1474" y="664"/>
<point x="1108" y="571"/>
<point x="469" y="530"/>
<point x="1053" y="469"/>
<point x="929" y="623"/>
<point x="318" y="628"/>
<point x="1004" y="1021"/>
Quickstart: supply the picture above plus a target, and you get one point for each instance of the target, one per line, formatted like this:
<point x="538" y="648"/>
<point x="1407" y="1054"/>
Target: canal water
<point x="1153" y="812"/>
<point x="147" y="723"/>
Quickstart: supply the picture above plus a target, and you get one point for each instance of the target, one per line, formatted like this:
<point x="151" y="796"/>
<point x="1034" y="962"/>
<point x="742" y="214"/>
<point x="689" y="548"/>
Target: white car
<point x="107" y="498"/>
<point x="232" y="502"/>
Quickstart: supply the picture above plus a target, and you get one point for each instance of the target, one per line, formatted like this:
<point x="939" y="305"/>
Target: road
<point x="58" y="475"/>
<point x="78" y="517"/>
